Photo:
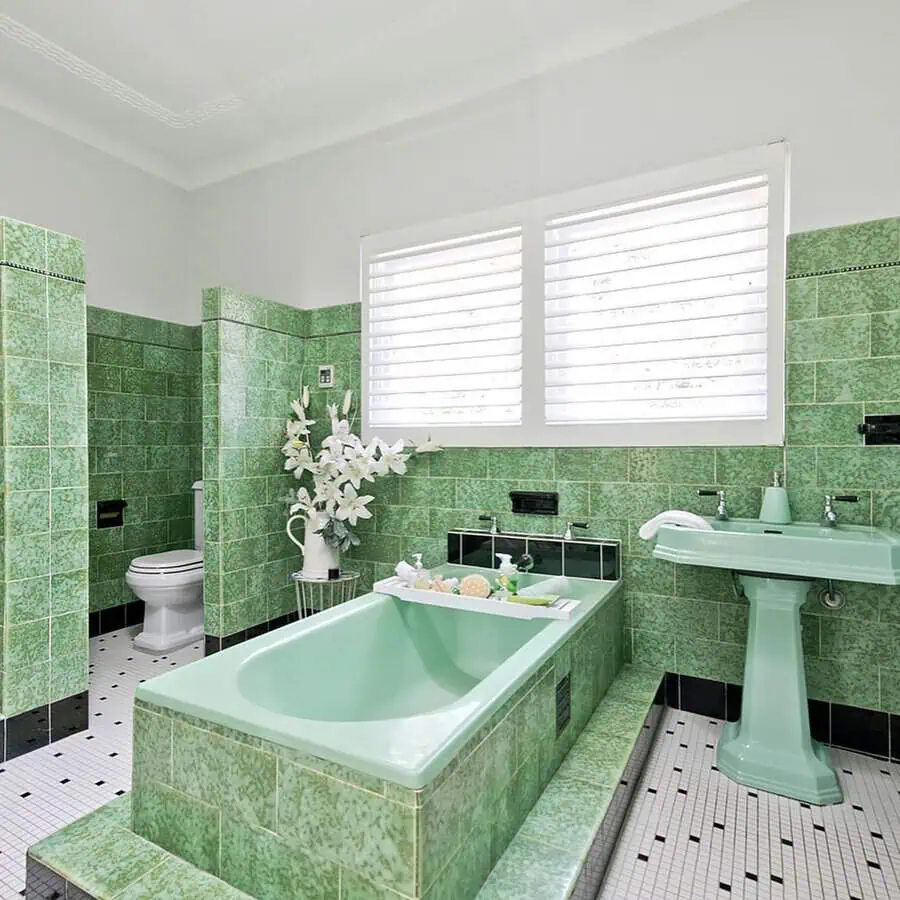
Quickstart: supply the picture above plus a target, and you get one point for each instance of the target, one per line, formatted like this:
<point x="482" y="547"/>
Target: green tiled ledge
<point x="571" y="831"/>
<point x="102" y="857"/>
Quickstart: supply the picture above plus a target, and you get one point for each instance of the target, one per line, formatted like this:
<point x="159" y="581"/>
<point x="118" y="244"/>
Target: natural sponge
<point x="475" y="586"/>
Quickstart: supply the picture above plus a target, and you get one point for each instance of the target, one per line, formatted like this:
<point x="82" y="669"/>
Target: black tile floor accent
<point x="723" y="839"/>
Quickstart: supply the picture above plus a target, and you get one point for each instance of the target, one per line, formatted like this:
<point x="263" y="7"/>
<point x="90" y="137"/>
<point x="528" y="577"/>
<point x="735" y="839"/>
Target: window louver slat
<point x="445" y="333"/>
<point x="656" y="310"/>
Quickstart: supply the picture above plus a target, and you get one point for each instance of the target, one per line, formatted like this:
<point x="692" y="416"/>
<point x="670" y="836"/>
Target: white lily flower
<point x="305" y="396"/>
<point x="348" y="399"/>
<point x="392" y="459"/>
<point x="332" y="411"/>
<point x="352" y="507"/>
<point x="357" y="468"/>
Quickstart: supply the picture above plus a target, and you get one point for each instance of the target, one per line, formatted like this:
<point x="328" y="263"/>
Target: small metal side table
<point x="317" y="594"/>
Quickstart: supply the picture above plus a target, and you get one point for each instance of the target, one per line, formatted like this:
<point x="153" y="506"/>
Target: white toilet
<point x="171" y="586"/>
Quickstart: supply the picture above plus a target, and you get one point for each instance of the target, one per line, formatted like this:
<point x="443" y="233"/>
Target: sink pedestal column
<point x="770" y="747"/>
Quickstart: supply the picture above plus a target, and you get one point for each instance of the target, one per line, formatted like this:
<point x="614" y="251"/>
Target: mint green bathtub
<point x="389" y="688"/>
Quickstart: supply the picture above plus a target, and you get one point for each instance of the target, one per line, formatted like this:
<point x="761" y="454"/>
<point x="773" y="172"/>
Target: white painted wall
<point x="825" y="74"/>
<point x="135" y="226"/>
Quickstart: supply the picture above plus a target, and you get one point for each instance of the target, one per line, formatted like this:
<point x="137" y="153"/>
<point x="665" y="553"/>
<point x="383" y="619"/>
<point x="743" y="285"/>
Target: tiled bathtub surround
<point x="252" y="368"/>
<point x="44" y="520"/>
<point x="843" y="362"/>
<point x="144" y="442"/>
<point x="267" y="819"/>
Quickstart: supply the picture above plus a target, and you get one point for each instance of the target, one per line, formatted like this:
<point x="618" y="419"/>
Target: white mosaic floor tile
<point x="49" y="788"/>
<point x="692" y="834"/>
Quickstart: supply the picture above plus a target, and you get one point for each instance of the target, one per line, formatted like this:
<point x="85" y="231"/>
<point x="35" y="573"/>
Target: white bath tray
<point x="394" y="586"/>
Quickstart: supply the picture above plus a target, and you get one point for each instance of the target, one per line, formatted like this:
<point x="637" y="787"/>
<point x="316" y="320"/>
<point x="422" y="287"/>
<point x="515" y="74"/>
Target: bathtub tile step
<point x="99" y="857"/>
<point x="574" y="823"/>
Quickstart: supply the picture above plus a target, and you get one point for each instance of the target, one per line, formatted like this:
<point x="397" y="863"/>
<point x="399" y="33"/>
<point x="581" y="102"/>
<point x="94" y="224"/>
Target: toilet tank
<point x="198" y="514"/>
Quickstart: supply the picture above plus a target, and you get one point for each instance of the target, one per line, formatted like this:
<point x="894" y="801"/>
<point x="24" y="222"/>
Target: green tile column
<point x="252" y="368"/>
<point x="45" y="460"/>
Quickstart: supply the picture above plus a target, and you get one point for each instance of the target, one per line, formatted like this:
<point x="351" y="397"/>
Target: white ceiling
<point x="198" y="91"/>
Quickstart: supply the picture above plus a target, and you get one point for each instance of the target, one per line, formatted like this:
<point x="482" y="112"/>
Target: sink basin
<point x="805" y="550"/>
<point x="770" y="747"/>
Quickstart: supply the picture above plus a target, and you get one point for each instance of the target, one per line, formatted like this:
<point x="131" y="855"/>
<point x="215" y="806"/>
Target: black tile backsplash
<point x="598" y="559"/>
<point x="27" y="731"/>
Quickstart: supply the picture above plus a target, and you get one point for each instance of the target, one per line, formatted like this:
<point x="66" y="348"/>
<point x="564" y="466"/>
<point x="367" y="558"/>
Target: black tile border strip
<point x="868" y="731"/>
<point x="614" y="545"/>
<point x="844" y="270"/>
<point x="44" y="725"/>
<point x="21" y="268"/>
<point x="102" y="621"/>
<point x="213" y="643"/>
<point x="302" y="337"/>
<point x="595" y="865"/>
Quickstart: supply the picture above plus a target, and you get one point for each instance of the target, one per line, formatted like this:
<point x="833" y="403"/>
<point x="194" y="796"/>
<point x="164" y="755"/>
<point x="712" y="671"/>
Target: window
<point x="644" y="312"/>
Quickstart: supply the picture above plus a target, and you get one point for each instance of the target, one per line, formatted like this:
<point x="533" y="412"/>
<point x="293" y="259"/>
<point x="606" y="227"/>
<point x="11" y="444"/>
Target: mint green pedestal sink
<point x="770" y="747"/>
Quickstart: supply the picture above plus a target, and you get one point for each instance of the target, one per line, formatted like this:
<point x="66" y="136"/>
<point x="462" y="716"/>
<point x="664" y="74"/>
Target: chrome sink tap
<point x="829" y="516"/>
<point x="568" y="536"/>
<point x="493" y="520"/>
<point x="721" y="510"/>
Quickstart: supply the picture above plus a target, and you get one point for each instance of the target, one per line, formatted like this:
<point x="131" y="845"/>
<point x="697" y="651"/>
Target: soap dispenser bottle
<point x="423" y="576"/>
<point x="776" y="508"/>
<point x="509" y="574"/>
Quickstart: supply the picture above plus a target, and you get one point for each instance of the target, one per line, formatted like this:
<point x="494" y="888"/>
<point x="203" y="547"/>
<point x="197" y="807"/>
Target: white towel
<point x="673" y="517"/>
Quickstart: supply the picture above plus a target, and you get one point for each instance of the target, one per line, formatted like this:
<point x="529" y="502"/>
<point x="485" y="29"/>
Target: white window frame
<point x="773" y="160"/>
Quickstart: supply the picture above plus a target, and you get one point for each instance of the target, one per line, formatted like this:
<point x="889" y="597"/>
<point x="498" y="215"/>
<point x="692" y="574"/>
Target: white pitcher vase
<point x="318" y="556"/>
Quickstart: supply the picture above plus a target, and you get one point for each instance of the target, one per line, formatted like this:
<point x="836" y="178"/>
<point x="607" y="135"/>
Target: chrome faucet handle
<point x="721" y="509"/>
<point x="493" y="520"/>
<point x="829" y="516"/>
<point x="568" y="536"/>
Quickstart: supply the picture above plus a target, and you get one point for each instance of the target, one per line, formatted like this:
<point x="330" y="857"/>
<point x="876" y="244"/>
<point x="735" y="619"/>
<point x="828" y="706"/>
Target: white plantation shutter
<point x="644" y="312"/>
<point x="657" y="309"/>
<point x="445" y="333"/>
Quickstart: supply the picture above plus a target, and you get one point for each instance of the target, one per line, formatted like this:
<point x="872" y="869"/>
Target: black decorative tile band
<point x="868" y="731"/>
<point x="44" y="725"/>
<point x="12" y="265"/>
<point x="844" y="269"/>
<point x="213" y="644"/>
<point x="102" y="621"/>
<point x="583" y="558"/>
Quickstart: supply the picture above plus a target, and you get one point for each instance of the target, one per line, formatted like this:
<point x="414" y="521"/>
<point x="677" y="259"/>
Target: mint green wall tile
<point x="801" y="382"/>
<point x="183" y="825"/>
<point x="23" y="244"/>
<point x="27" y="556"/>
<point x="716" y="660"/>
<point x="23" y="292"/>
<point x="889" y="689"/>
<point x="858" y="467"/>
<point x="26" y="381"/>
<point x="747" y="465"/>
<point x="270" y="868"/>
<point x="691" y="465"/>
<point x="27" y="644"/>
<point x="842" y="681"/>
<point x="886" y="334"/>
<point x="68" y="425"/>
<point x="818" y="424"/>
<point x="25" y="336"/>
<point x="839" y="337"/>
<point x="69" y="592"/>
<point x="26" y="687"/>
<point x="65" y="255"/>
<point x="27" y="600"/>
<point x="335" y="319"/>
<point x="859" y="292"/>
<point x="669" y="615"/>
<point x="152" y="747"/>
<point x="69" y="551"/>
<point x="27" y="512"/>
<point x="628" y="501"/>
<point x="865" y="243"/>
<point x="65" y="300"/>
<point x="802" y="299"/>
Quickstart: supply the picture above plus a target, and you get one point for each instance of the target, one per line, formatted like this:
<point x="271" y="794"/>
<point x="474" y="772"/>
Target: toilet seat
<point x="171" y="562"/>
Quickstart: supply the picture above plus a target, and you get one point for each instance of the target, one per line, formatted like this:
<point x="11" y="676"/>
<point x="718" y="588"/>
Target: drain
<point x="831" y="598"/>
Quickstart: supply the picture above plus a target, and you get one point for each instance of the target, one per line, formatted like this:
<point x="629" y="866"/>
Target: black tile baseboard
<point x="102" y="621"/>
<point x="213" y="644"/>
<point x="44" y="725"/>
<point x="868" y="731"/>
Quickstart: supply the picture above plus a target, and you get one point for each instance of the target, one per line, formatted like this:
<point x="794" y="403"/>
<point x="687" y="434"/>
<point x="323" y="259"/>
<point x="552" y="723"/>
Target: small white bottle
<point x="423" y="576"/>
<point x="509" y="574"/>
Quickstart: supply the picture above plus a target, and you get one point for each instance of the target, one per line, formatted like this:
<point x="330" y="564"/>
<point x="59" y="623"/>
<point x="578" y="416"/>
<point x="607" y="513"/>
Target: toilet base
<point x="167" y="628"/>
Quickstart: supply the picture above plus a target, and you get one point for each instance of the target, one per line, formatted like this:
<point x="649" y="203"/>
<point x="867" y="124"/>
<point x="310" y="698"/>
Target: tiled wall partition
<point x="275" y="822"/>
<point x="252" y="369"/>
<point x="144" y="446"/>
<point x="44" y="533"/>
<point x="843" y="361"/>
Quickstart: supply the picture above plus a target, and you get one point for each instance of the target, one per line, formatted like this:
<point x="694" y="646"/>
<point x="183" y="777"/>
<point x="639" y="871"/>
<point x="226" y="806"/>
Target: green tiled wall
<point x="843" y="361"/>
<point x="252" y="369"/>
<point x="275" y="822"/>
<point x="44" y="517"/>
<point x="144" y="440"/>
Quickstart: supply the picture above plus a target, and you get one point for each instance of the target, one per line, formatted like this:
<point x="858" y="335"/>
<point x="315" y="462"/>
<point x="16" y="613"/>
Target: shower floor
<point x="691" y="834"/>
